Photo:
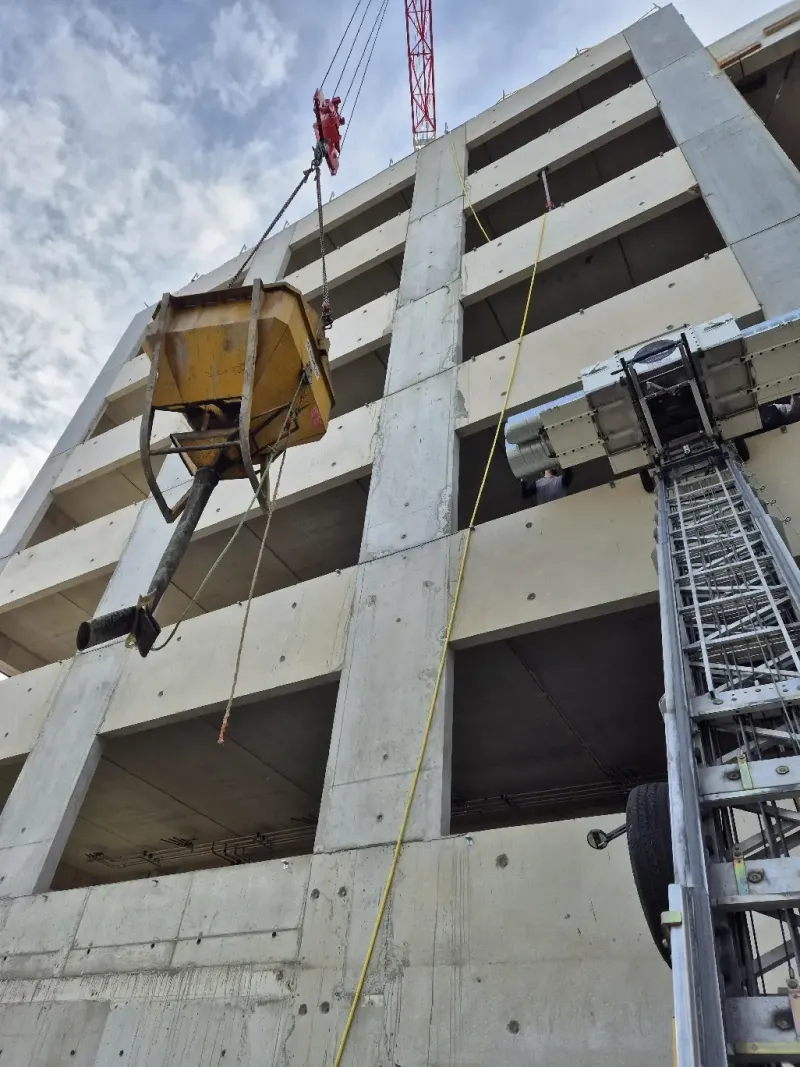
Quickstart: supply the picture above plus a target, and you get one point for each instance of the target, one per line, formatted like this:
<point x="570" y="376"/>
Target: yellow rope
<point x="193" y="600"/>
<point x="387" y="888"/>
<point x="466" y="195"/>
<point x="251" y="593"/>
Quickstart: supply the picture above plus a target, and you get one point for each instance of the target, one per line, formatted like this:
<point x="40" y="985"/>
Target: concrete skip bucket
<point x="248" y="370"/>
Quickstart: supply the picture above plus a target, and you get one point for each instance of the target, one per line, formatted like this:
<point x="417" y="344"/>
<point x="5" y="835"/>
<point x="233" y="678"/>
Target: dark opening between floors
<point x="9" y="772"/>
<point x="307" y="538"/>
<point x="375" y="281"/>
<point x="359" y="382"/>
<point x="502" y="494"/>
<point x="554" y="114"/>
<point x="342" y="233"/>
<point x="557" y="724"/>
<point x="645" y="252"/>
<point x="567" y="183"/>
<point x="171" y="799"/>
<point x="774" y="95"/>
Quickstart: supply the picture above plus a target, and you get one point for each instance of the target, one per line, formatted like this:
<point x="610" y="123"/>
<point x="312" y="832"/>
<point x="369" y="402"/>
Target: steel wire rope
<point x="339" y="47"/>
<point x="387" y="888"/>
<point x="366" y="68"/>
<point x="378" y="19"/>
<point x="352" y="46"/>
<point x="242" y="270"/>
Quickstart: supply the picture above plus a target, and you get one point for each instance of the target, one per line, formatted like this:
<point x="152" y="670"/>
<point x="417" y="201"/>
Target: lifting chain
<point x="240" y="273"/>
<point x="326" y="312"/>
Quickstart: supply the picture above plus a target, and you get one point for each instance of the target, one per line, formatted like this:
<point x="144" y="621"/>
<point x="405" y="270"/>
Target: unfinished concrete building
<point x="126" y="933"/>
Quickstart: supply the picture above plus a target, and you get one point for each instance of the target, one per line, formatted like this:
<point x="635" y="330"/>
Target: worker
<point x="553" y="485"/>
<point x="780" y="412"/>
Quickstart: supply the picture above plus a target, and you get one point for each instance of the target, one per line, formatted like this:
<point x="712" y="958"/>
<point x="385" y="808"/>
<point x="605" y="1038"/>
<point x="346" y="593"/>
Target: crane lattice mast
<point x="419" y="37"/>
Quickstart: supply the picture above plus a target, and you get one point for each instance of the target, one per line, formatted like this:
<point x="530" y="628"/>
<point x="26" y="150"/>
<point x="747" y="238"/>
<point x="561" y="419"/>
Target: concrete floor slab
<point x="552" y="358"/>
<point x="619" y="205"/>
<point x="578" y="71"/>
<point x="576" y="138"/>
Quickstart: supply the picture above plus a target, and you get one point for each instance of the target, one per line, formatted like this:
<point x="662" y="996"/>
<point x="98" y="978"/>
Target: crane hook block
<point x="327" y="128"/>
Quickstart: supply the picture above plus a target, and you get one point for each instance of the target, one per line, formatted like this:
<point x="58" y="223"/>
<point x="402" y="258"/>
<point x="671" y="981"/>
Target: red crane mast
<point x="419" y="38"/>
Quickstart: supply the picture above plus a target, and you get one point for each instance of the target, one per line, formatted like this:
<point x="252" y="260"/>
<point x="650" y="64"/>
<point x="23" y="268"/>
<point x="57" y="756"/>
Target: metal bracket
<point x="793" y="990"/>
<point x="744" y="771"/>
<point x="740" y="872"/>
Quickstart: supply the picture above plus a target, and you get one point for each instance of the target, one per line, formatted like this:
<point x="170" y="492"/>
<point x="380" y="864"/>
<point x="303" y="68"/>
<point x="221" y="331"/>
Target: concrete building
<point x="127" y="933"/>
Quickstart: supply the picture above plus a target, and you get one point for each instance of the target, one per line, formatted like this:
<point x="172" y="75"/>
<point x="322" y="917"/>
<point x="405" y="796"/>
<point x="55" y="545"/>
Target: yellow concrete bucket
<point x="233" y="361"/>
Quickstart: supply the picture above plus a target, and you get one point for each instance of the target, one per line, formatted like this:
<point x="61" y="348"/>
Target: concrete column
<point x="749" y="184"/>
<point x="44" y="803"/>
<point x="402" y="597"/>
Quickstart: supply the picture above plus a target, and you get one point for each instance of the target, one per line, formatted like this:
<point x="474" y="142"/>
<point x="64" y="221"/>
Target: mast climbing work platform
<point x="730" y="611"/>
<point x="729" y="593"/>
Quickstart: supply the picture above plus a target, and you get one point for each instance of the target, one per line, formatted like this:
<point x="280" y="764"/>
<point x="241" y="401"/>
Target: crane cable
<point x="235" y="280"/>
<point x="379" y="23"/>
<point x="316" y="162"/>
<point x="366" y="48"/>
<point x="387" y="888"/>
<point x="314" y="168"/>
<point x="352" y="46"/>
<point x="339" y="46"/>
<point x="240" y="273"/>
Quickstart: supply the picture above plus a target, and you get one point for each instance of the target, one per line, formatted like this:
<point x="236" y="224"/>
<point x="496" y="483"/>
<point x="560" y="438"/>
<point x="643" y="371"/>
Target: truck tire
<point x="646" y="478"/>
<point x="650" y="850"/>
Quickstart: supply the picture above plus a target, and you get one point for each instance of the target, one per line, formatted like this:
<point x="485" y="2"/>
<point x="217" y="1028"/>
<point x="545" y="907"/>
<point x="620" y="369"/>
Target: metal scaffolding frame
<point x="730" y="607"/>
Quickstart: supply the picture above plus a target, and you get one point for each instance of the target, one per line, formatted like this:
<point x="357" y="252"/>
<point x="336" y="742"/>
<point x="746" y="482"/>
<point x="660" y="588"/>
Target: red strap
<point x="327" y="126"/>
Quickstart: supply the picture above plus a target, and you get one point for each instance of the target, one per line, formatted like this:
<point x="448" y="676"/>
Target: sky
<point x="145" y="141"/>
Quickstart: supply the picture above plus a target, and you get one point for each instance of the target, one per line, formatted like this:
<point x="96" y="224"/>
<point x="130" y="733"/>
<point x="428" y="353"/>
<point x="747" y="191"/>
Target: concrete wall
<point x="522" y="945"/>
<point x="606" y="533"/>
<point x="731" y="153"/>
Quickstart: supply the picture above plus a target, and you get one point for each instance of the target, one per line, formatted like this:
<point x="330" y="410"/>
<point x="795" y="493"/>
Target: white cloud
<point x="118" y="181"/>
<point x="250" y="56"/>
<point x="109" y="194"/>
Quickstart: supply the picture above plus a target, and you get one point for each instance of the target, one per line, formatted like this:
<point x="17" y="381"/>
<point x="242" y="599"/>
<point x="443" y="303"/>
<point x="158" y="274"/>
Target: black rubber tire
<point x="743" y="449"/>
<point x="650" y="850"/>
<point x="646" y="479"/>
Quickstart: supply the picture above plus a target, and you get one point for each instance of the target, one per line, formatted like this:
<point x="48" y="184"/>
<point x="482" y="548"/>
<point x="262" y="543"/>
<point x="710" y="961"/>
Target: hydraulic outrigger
<point x="729" y="589"/>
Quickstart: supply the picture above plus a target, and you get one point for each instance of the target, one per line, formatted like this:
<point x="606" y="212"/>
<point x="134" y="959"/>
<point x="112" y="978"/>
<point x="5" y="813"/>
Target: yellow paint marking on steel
<point x="387" y="888"/>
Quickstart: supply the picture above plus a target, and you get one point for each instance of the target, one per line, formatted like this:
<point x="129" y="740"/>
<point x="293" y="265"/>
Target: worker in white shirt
<point x="780" y="412"/>
<point x="553" y="485"/>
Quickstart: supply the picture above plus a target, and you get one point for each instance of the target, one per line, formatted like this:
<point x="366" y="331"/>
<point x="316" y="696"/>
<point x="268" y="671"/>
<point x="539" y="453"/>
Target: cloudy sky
<point x="142" y="141"/>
